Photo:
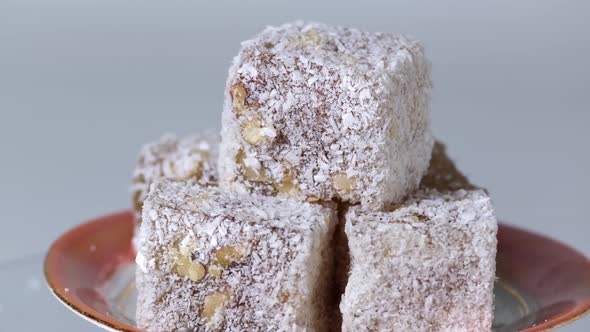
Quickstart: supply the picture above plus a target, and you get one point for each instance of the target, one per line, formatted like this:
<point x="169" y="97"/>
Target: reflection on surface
<point x="120" y="294"/>
<point x="513" y="309"/>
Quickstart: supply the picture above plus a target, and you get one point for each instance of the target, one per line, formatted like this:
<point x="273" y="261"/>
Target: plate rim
<point x="87" y="317"/>
<point x="81" y="309"/>
<point x="111" y="324"/>
<point x="572" y="316"/>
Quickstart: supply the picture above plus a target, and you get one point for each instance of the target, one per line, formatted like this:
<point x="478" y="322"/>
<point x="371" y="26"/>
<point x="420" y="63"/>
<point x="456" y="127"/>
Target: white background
<point x="84" y="83"/>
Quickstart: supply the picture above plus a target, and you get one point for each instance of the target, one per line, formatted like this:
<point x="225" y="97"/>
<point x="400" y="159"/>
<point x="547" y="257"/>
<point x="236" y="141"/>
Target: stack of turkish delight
<point x="325" y="204"/>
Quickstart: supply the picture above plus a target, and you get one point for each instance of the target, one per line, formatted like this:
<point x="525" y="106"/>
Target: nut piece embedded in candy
<point x="287" y="185"/>
<point x="343" y="183"/>
<point x="310" y="38"/>
<point x="213" y="303"/>
<point x="238" y="94"/>
<point x="196" y="271"/>
<point x="185" y="267"/>
<point x="215" y="270"/>
<point x="228" y="254"/>
<point x="312" y="199"/>
<point x="254" y="132"/>
<point x="248" y="172"/>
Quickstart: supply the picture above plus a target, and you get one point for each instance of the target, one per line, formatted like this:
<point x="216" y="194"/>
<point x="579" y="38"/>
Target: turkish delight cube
<point x="317" y="112"/>
<point x="215" y="260"/>
<point x="428" y="264"/>
<point x="176" y="158"/>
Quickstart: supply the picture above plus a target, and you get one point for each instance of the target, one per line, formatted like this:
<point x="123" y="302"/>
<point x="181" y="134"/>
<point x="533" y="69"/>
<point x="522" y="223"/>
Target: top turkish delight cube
<point x="319" y="113"/>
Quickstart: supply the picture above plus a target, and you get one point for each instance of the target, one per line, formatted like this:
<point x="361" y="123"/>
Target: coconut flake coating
<point x="318" y="112"/>
<point x="427" y="265"/>
<point x="176" y="158"/>
<point x="213" y="260"/>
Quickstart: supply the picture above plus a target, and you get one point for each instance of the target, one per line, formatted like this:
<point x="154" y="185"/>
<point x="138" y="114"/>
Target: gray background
<point x="84" y="83"/>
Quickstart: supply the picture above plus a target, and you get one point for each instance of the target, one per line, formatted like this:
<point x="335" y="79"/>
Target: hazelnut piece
<point x="343" y="183"/>
<point x="213" y="303"/>
<point x="238" y="94"/>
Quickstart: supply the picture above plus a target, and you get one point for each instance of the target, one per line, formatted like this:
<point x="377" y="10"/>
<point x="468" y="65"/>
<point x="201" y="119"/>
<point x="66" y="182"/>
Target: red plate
<point x="542" y="283"/>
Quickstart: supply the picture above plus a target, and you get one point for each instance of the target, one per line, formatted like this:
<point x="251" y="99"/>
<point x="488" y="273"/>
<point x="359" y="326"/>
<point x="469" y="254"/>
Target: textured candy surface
<point x="318" y="113"/>
<point x="175" y="158"/>
<point x="214" y="260"/>
<point x="426" y="265"/>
